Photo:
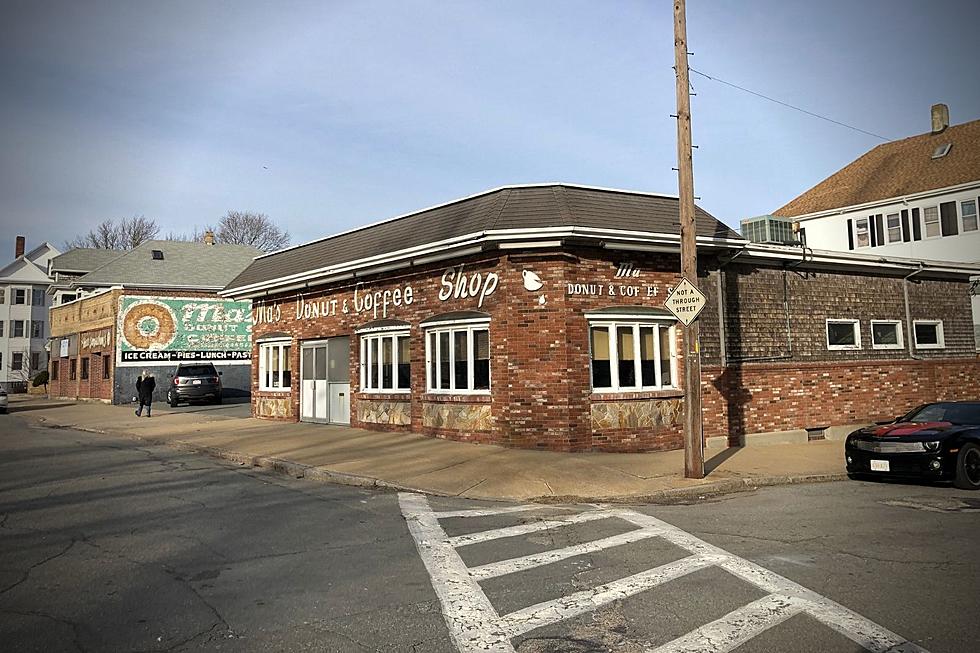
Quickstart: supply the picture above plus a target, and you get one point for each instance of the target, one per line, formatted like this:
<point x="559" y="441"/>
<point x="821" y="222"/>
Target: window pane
<point x="404" y="364"/>
<point x="433" y="362"/>
<point x="373" y="362"/>
<point x="927" y="334"/>
<point x="274" y="366"/>
<point x="862" y="232"/>
<point x="666" y="370"/>
<point x="841" y="333"/>
<point x="307" y="364"/>
<point x="444" y="360"/>
<point x="968" y="210"/>
<point x="600" y="358"/>
<point x="648" y="365"/>
<point x="930" y="216"/>
<point x="627" y="356"/>
<point x="387" y="363"/>
<point x="286" y="368"/>
<point x="481" y="359"/>
<point x="894" y="228"/>
<point x="460" y="358"/>
<point x="884" y="333"/>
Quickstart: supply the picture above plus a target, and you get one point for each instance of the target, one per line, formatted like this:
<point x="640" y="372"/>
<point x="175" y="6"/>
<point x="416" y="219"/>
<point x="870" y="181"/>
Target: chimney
<point x="940" y="118"/>
<point x="209" y="237"/>
<point x="19" y="248"/>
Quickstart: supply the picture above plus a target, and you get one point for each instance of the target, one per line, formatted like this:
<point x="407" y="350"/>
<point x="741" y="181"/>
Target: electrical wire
<point x="785" y="104"/>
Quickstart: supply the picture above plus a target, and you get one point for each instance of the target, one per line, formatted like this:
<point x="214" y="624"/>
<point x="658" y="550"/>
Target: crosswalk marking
<point x="514" y="565"/>
<point x="530" y="527"/>
<point x="475" y="625"/>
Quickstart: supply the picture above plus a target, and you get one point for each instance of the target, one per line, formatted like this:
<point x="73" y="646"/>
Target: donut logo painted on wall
<point x="149" y="325"/>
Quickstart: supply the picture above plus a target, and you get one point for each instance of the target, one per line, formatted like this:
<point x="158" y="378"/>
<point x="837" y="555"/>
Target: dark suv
<point x="194" y="382"/>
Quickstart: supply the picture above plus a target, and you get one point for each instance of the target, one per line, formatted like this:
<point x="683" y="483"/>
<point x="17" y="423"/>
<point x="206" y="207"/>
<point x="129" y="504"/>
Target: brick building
<point x="533" y="316"/>
<point x="149" y="308"/>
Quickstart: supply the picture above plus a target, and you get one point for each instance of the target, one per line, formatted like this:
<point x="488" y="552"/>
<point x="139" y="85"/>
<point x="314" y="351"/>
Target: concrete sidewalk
<point x="413" y="462"/>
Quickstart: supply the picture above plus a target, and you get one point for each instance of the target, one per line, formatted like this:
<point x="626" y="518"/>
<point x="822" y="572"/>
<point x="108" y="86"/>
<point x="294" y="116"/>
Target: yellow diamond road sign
<point x="685" y="302"/>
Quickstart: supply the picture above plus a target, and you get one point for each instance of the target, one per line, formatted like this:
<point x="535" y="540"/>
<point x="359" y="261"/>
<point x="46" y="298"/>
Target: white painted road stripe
<point x="549" y="612"/>
<point x="513" y="565"/>
<point x="485" y="512"/>
<point x="474" y="624"/>
<point x="736" y="627"/>
<point x="472" y="621"/>
<point x="530" y="527"/>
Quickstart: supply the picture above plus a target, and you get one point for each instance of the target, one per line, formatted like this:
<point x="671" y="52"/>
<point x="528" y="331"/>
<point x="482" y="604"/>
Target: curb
<point x="679" y="495"/>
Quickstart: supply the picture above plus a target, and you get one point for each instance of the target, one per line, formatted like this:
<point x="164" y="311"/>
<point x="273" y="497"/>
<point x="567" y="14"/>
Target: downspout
<point x="908" y="311"/>
<point x="719" y="281"/>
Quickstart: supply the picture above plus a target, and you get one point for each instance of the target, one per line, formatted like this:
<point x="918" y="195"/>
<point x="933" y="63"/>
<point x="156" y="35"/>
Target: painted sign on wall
<point x="183" y="329"/>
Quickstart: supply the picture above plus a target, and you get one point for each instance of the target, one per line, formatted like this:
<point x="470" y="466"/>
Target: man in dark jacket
<point x="145" y="384"/>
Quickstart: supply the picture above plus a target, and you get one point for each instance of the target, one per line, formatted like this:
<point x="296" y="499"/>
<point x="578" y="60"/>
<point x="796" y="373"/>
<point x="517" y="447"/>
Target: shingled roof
<point x="896" y="169"/>
<point x="178" y="265"/>
<point x="83" y="259"/>
<point x="512" y="207"/>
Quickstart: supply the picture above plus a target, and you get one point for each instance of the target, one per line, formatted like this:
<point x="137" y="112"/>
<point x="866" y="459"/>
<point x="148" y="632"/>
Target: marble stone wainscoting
<point x="457" y="417"/>
<point x="394" y="413"/>
<point x="272" y="407"/>
<point x="647" y="413"/>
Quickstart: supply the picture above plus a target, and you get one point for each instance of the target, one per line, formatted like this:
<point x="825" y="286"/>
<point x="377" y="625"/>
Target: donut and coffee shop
<point x="534" y="316"/>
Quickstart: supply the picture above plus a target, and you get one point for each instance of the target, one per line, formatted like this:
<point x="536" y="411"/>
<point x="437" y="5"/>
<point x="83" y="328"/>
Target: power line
<point x="785" y="104"/>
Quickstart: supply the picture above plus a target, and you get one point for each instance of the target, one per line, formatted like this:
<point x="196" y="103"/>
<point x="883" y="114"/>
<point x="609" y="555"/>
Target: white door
<point x="338" y="378"/>
<point x="313" y="393"/>
<point x="325" y="389"/>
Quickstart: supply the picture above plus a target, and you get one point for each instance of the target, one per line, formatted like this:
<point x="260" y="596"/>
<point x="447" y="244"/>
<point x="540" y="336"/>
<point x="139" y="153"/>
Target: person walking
<point x="145" y="384"/>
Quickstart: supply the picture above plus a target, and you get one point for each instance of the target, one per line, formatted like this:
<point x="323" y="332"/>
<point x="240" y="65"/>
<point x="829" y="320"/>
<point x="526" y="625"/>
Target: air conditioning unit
<point x="769" y="229"/>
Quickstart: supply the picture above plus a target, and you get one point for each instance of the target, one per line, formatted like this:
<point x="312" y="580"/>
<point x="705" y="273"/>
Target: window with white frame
<point x="886" y="334"/>
<point x="274" y="365"/>
<point x="930" y="222"/>
<point x="632" y="355"/>
<point x="861" y="232"/>
<point x="894" y="223"/>
<point x="928" y="334"/>
<point x="20" y="296"/>
<point x="17" y="328"/>
<point x="458" y="356"/>
<point x="386" y="364"/>
<point x="843" y="334"/>
<point x="17" y="361"/>
<point x="968" y="215"/>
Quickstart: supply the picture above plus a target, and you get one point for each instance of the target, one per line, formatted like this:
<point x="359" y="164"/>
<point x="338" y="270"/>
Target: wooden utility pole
<point x="693" y="438"/>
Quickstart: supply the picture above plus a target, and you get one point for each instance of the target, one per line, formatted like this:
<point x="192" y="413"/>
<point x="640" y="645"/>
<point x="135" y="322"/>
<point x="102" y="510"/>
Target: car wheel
<point x="968" y="467"/>
<point x="172" y="399"/>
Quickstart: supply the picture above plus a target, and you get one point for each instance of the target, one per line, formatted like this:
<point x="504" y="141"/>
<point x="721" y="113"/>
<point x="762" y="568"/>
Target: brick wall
<point x="766" y="397"/>
<point x="541" y="394"/>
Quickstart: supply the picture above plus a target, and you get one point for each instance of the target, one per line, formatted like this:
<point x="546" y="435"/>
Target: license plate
<point x="196" y="382"/>
<point x="879" y="466"/>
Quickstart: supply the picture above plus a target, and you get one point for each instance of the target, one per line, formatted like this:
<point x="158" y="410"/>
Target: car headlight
<point x="931" y="446"/>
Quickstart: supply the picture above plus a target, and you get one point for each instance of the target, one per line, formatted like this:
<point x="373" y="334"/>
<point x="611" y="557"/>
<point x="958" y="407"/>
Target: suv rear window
<point x="196" y="370"/>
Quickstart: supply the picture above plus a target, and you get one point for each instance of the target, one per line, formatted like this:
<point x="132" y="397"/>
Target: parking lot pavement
<point x="530" y="578"/>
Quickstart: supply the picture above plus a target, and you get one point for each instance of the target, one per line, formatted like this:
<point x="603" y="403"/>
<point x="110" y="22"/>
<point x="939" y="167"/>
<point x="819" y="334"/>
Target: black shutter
<point x="880" y="226"/>
<point x="906" y="236"/>
<point x="947" y="213"/>
<point x="850" y="233"/>
<point x="916" y="227"/>
<point x="872" y="232"/>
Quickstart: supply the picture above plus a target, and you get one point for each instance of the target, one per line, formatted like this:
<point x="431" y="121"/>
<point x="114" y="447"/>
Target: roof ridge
<point x="559" y="194"/>
<point x="505" y="197"/>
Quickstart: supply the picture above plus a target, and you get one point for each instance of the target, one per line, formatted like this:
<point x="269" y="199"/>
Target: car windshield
<point x="196" y="370"/>
<point x="954" y="413"/>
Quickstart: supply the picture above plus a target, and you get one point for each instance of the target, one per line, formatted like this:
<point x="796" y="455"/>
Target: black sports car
<point x="938" y="441"/>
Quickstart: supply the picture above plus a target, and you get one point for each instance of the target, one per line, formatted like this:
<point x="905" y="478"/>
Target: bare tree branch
<point x="109" y="234"/>
<point x="248" y="228"/>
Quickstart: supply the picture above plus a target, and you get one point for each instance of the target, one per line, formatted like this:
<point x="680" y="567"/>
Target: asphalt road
<point x="110" y="545"/>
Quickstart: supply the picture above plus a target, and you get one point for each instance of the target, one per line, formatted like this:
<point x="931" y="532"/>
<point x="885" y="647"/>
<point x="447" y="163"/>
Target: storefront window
<point x="640" y="356"/>
<point x="459" y="359"/>
<point x="274" y="366"/>
<point x="385" y="362"/>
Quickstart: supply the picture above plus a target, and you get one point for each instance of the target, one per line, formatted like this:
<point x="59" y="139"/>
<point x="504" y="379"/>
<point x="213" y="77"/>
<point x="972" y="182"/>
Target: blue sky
<point x="328" y="115"/>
